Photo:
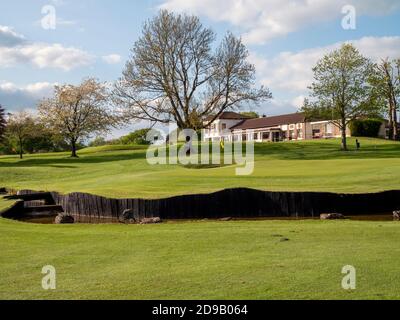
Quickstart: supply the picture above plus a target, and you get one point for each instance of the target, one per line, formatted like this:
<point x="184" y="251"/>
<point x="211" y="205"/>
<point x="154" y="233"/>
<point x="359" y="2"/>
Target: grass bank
<point x="121" y="171"/>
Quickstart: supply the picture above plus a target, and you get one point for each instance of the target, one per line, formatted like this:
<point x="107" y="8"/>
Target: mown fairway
<point x="120" y="171"/>
<point x="201" y="260"/>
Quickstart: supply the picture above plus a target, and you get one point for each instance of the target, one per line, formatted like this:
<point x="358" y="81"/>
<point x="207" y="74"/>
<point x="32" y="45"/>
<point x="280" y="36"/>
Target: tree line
<point x="177" y="73"/>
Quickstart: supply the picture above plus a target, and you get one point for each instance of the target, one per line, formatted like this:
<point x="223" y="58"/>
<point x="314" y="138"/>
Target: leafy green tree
<point x="20" y="127"/>
<point x="250" y="114"/>
<point x="35" y="137"/>
<point x="97" y="142"/>
<point x="386" y="88"/>
<point x="340" y="90"/>
<point x="44" y="140"/>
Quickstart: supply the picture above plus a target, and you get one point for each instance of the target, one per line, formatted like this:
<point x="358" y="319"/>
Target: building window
<point x="223" y="126"/>
<point x="244" y="137"/>
<point x="299" y="134"/>
<point x="265" y="135"/>
<point x="316" y="133"/>
<point x="255" y="136"/>
<point x="276" y="136"/>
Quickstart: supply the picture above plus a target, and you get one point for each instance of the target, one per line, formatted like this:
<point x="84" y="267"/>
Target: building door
<point x="276" y="136"/>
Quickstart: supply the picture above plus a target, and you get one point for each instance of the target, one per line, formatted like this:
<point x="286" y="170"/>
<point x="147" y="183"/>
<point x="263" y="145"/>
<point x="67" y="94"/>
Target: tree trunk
<point x="344" y="135"/>
<point x="394" y="122"/>
<point x="390" y="133"/>
<point x="20" y="149"/>
<point x="73" y="149"/>
<point x="393" y="130"/>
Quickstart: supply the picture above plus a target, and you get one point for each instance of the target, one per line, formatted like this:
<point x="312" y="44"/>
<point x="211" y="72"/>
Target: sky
<point x="48" y="42"/>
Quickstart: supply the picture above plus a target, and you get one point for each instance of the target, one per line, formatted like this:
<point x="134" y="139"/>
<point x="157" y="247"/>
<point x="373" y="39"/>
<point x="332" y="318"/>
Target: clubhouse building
<point x="232" y="126"/>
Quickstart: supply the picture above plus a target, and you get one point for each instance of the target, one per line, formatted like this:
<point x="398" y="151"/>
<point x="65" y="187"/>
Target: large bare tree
<point x="77" y="112"/>
<point x="386" y="83"/>
<point x="176" y="75"/>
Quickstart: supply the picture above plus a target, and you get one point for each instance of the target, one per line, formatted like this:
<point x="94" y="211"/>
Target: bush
<point x="98" y="142"/>
<point x="137" y="137"/>
<point x="366" y="128"/>
<point x="250" y="114"/>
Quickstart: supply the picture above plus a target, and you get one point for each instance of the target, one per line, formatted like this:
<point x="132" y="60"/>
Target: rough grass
<point x="121" y="171"/>
<point x="201" y="260"/>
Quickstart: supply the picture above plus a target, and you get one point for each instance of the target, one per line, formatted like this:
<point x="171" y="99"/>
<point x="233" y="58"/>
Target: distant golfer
<point x="222" y="144"/>
<point x="358" y="144"/>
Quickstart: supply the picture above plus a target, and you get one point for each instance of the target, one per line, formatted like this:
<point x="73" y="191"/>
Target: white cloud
<point x="292" y="71"/>
<point x="112" y="58"/>
<point x="14" y="50"/>
<point x="297" y="102"/>
<point x="44" y="55"/>
<point x="263" y="20"/>
<point x="37" y="88"/>
<point x="14" y="97"/>
<point x="67" y="23"/>
<point x="8" y="37"/>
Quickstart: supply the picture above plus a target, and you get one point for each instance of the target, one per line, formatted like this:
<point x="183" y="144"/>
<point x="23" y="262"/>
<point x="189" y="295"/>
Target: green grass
<point x="201" y="260"/>
<point x="204" y="259"/>
<point x="5" y="204"/>
<point x="121" y="171"/>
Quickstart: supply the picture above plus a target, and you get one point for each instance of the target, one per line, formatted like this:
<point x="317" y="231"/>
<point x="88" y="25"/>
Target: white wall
<point x="217" y="133"/>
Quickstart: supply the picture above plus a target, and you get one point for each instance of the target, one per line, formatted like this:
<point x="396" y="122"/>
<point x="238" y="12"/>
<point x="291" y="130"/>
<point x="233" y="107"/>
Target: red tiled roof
<point x="268" y="122"/>
<point x="229" y="115"/>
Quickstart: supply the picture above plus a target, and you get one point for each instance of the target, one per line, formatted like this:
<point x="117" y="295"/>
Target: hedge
<point x="365" y="128"/>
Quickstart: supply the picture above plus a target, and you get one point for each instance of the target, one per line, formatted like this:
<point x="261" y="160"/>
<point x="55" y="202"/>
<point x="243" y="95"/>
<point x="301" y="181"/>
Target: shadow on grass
<point x="68" y="162"/>
<point x="206" y="166"/>
<point x="328" y="150"/>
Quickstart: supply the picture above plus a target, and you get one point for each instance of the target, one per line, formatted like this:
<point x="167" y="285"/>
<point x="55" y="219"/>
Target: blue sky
<point x="93" y="38"/>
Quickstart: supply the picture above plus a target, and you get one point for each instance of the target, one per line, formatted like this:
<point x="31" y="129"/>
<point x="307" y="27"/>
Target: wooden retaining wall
<point x="237" y="203"/>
